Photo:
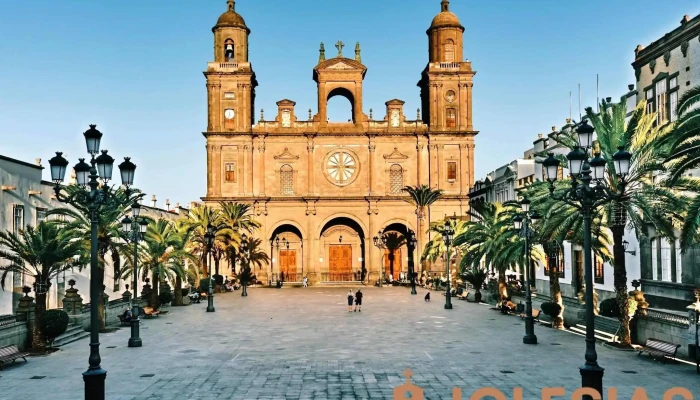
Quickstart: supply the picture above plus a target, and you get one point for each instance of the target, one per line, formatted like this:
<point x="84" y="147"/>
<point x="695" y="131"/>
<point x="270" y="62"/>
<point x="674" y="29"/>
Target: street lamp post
<point x="447" y="236"/>
<point x="587" y="198"/>
<point x="209" y="241"/>
<point x="89" y="176"/>
<point x="134" y="231"/>
<point x="379" y="243"/>
<point x="522" y="222"/>
<point x="411" y="243"/>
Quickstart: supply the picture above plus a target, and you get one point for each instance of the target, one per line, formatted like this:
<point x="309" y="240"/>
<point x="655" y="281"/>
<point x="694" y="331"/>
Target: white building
<point x="24" y="200"/>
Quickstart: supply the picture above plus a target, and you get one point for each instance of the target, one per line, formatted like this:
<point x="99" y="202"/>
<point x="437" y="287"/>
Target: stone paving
<point x="303" y="344"/>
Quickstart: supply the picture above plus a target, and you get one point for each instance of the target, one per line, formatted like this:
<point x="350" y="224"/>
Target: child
<point x="350" y="299"/>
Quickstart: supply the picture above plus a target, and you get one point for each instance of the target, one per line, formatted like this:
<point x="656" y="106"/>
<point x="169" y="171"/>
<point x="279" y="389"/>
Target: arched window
<point x="229" y="50"/>
<point x="395" y="178"/>
<point x="449" y="50"/>
<point x="451" y="117"/>
<point x="286" y="179"/>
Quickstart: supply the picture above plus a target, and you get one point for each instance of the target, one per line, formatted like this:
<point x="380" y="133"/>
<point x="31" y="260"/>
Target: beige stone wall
<point x="252" y="163"/>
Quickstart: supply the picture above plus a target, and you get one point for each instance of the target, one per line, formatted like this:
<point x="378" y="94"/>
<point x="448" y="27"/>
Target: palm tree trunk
<point x="421" y="241"/>
<point x="101" y="300"/>
<point x="391" y="263"/>
<point x="502" y="287"/>
<point x="155" y="301"/>
<point x="216" y="265"/>
<point x="177" y="291"/>
<point x="38" y="339"/>
<point x="620" y="283"/>
<point x="555" y="293"/>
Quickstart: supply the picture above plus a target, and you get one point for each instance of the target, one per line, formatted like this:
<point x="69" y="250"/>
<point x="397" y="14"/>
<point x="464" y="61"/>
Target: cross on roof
<point x="340" y="46"/>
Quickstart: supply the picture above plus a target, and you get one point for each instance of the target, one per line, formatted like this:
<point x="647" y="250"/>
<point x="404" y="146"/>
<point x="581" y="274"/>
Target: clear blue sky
<point x="134" y="68"/>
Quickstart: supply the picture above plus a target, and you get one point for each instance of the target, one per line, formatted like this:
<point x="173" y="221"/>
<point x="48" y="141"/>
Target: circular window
<point x="450" y="96"/>
<point x="341" y="167"/>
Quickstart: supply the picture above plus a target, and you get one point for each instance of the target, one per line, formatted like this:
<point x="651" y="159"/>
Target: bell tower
<point x="446" y="82"/>
<point x="230" y="78"/>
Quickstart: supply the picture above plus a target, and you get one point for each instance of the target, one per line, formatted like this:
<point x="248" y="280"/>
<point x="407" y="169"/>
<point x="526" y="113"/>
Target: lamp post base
<point x="530" y="339"/>
<point x="592" y="377"/>
<point x="448" y="306"/>
<point x="95" y="384"/>
<point x="211" y="309"/>
<point x="135" y="340"/>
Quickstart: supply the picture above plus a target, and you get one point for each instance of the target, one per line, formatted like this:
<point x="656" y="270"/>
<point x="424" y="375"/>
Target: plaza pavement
<point x="303" y="344"/>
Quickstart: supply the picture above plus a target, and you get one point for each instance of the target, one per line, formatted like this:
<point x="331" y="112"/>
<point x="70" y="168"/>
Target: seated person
<point x="127" y="316"/>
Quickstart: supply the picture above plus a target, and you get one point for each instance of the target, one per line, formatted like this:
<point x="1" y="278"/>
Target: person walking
<point x="350" y="299"/>
<point x="358" y="300"/>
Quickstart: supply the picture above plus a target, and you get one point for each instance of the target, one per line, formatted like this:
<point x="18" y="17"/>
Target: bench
<point x="11" y="353"/>
<point x="149" y="312"/>
<point x="535" y="315"/>
<point x="463" y="296"/>
<point x="656" y="347"/>
<point x="123" y="321"/>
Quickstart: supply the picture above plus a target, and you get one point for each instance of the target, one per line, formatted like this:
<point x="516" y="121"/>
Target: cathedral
<point x="323" y="190"/>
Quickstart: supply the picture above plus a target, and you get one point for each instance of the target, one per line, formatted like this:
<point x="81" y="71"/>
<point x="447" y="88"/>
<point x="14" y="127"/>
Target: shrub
<point x="550" y="309"/>
<point x="609" y="308"/>
<point x="204" y="285"/>
<point x="165" y="297"/>
<point x="184" y="292"/>
<point x="219" y="279"/>
<point x="53" y="323"/>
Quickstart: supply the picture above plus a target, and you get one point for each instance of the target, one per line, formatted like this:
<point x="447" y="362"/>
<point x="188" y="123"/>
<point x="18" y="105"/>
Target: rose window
<point x="341" y="167"/>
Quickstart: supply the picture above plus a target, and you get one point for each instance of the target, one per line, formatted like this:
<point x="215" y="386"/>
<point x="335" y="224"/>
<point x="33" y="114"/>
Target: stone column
<point x="210" y="105"/>
<point x="72" y="302"/>
<point x="216" y="170"/>
<point x="438" y="157"/>
<point x="470" y="173"/>
<point x="26" y="308"/>
<point x="261" y="163"/>
<point x="462" y="170"/>
<point x="216" y="110"/>
<point x="372" y="146"/>
<point x="311" y="188"/>
<point x="470" y="125"/>
<point x="210" y="167"/>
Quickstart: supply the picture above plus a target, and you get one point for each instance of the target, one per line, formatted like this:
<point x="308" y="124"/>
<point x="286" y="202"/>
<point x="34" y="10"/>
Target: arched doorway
<point x="342" y="242"/>
<point x="287" y="254"/>
<point x="395" y="256"/>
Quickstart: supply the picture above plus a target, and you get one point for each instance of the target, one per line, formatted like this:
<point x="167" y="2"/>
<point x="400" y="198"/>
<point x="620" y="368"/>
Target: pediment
<point x="395" y="155"/>
<point x="286" y="155"/>
<point x="340" y="65"/>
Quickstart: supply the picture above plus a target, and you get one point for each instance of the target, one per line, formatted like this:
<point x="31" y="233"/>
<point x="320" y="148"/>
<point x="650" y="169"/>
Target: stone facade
<point x="311" y="180"/>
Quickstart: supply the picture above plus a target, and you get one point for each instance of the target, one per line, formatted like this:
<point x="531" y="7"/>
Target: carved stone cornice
<point x="286" y="155"/>
<point x="395" y="155"/>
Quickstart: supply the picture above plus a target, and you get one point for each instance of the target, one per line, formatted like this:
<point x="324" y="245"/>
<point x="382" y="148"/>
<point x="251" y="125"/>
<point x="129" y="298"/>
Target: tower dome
<point x="446" y="18"/>
<point x="230" y="18"/>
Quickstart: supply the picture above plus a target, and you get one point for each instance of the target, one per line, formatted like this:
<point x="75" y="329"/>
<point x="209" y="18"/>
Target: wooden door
<point x="288" y="265"/>
<point x="397" y="264"/>
<point x="340" y="263"/>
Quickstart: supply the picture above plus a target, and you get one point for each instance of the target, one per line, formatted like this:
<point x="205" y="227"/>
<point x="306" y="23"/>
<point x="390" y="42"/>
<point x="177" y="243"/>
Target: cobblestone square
<point x="303" y="344"/>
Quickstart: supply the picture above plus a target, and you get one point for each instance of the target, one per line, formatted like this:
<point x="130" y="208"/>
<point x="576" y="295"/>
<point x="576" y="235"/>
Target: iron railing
<point x="11" y="319"/>
<point x="666" y="316"/>
<point x="288" y="277"/>
<point x="340" y="276"/>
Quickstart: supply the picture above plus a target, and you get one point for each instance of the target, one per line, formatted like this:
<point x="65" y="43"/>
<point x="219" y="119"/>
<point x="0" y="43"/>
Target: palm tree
<point x="110" y="212"/>
<point x="476" y="277"/>
<point x="684" y="155"/>
<point x="394" y="241"/>
<point x="254" y="256"/>
<point x="639" y="201"/>
<point x="43" y="252"/>
<point x="162" y="255"/>
<point x="199" y="218"/>
<point x="422" y="197"/>
<point x="490" y="239"/>
<point x="238" y="219"/>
